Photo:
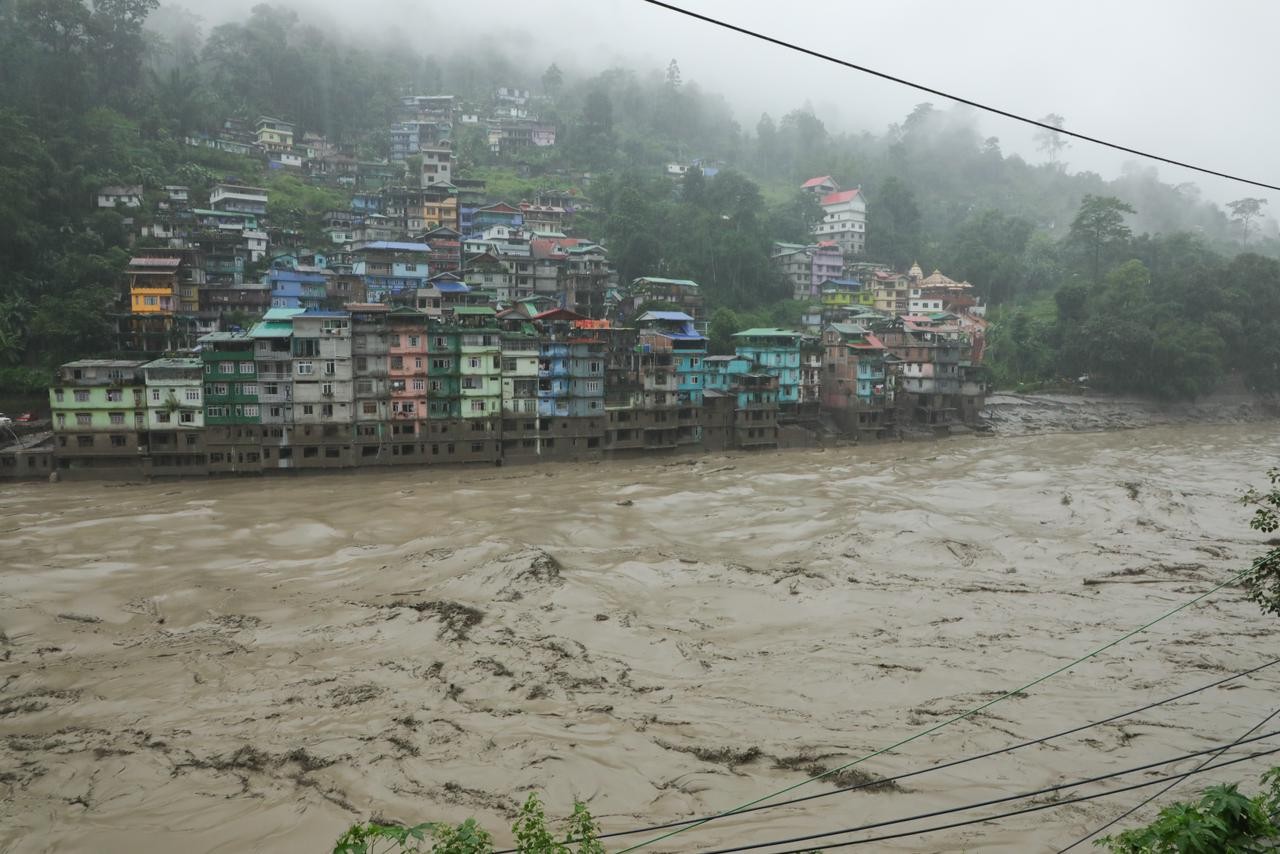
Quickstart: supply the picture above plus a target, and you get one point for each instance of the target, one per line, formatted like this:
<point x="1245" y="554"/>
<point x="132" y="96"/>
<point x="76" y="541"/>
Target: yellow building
<point x="153" y="285"/>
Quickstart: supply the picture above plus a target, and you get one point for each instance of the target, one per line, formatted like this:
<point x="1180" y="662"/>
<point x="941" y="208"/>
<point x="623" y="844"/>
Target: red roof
<point x="814" y="182"/>
<point x="840" y="197"/>
<point x="559" y="314"/>
<point x="553" y="247"/>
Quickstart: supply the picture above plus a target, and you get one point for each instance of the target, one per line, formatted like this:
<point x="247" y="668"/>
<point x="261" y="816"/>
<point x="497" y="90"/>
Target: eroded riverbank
<point x="253" y="665"/>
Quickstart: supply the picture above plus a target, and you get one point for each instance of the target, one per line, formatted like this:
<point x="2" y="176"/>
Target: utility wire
<point x="1034" y="808"/>
<point x="996" y="110"/>
<point x="939" y="767"/>
<point x="1217" y="750"/>
<point x="951" y="720"/>
<point x="1132" y="810"/>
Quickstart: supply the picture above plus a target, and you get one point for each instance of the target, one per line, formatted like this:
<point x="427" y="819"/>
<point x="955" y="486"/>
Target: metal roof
<point x="767" y="332"/>
<point x="666" y="315"/>
<point x="170" y="362"/>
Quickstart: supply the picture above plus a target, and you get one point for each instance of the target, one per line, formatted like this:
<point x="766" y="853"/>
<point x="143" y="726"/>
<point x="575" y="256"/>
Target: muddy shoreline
<point x="234" y="665"/>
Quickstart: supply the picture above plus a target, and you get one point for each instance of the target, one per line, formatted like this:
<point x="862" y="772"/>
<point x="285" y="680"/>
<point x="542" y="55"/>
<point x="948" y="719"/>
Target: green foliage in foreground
<point x="1223" y="821"/>
<point x="1264" y="581"/>
<point x="530" y="831"/>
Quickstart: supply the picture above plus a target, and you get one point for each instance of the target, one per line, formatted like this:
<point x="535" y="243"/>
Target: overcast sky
<point x="1190" y="80"/>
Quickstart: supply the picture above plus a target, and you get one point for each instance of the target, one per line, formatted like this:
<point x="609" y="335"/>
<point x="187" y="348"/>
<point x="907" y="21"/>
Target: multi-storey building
<point x="670" y="373"/>
<point x="175" y="417"/>
<point x="232" y="412"/>
<point x="274" y="134"/>
<point x="458" y="428"/>
<point x="855" y="385"/>
<point x="323" y="390"/>
<point x="683" y="293"/>
<point x="741" y="404"/>
<point x="159" y="316"/>
<point x="370" y="371"/>
<point x="437" y="165"/>
<point x="302" y="287"/>
<point x="775" y="352"/>
<point x="99" y="417"/>
<point x="806" y="267"/>
<point x="236" y="198"/>
<point x="391" y="269"/>
<point x="844" y="220"/>
<point x="273" y="358"/>
<point x="408" y="375"/>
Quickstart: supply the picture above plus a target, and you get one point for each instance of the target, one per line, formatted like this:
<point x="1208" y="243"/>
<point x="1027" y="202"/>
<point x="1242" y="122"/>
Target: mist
<point x="1151" y="76"/>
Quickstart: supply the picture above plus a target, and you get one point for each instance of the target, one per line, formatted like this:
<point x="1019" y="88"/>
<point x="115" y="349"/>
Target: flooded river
<point x="252" y="665"/>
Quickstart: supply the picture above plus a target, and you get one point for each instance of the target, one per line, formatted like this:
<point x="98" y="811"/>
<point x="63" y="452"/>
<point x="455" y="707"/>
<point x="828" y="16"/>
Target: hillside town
<point x="434" y="323"/>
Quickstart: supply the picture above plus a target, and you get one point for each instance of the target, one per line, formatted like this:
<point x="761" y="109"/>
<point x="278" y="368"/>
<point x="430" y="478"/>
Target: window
<point x="305" y="368"/>
<point x="192" y="395"/>
<point x="308" y="409"/>
<point x="277" y="412"/>
<point x="226" y="367"/>
<point x="249" y="388"/>
<point x="413" y="340"/>
<point x="81" y="396"/>
<point x="84" y="419"/>
<point x="84" y="441"/>
<point x="251" y="410"/>
<point x="117" y="441"/>
<point x="437" y="364"/>
<point x="477" y="406"/>
<point x="419" y="384"/>
<point x="326" y="410"/>
<point x="246" y="367"/>
<point x="593" y="367"/>
<point x="440" y="342"/>
<point x="329" y="369"/>
<point x="117" y="417"/>
<point x="155" y="395"/>
<point x="306" y="346"/>
<point x="473" y="362"/>
<point x="114" y="395"/>
<point x="150" y="301"/>
<point x="497" y="362"/>
<point x="186" y="416"/>
<point x="369" y="407"/>
<point x="436" y="385"/>
<point x="593" y="386"/>
<point x="163" y="417"/>
<point x="220" y="388"/>
<point x="216" y="411"/>
<point x="395" y="340"/>
<point x="397" y="363"/>
<point x="364" y="387"/>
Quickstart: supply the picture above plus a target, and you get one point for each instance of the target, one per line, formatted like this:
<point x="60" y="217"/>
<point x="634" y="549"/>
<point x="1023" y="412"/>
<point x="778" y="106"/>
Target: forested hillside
<point x="1120" y="279"/>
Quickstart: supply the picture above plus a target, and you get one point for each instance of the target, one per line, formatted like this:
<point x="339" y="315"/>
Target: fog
<point x="1177" y="78"/>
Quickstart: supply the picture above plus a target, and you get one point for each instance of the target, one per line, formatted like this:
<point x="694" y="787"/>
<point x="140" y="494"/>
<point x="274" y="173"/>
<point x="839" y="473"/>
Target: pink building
<point x="407" y="369"/>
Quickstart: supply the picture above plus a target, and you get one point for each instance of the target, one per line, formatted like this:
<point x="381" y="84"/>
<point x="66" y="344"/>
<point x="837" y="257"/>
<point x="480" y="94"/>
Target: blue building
<point x="391" y="269"/>
<point x="297" y="287"/>
<point x="775" y="352"/>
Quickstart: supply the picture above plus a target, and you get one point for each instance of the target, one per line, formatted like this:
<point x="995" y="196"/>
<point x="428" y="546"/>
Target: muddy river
<point x="252" y="665"/>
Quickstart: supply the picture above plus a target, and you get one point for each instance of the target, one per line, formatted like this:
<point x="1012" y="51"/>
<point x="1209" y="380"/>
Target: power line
<point x="939" y="767"/>
<point x="996" y="110"/>
<point x="1163" y="791"/>
<point x="951" y="720"/>
<point x="1217" y="750"/>
<point x="1023" y="811"/>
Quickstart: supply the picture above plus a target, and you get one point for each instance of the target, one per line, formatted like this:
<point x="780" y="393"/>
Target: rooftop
<point x="840" y="197"/>
<point x="105" y="363"/>
<point x="174" y="362"/>
<point x="396" y="246"/>
<point x="678" y="316"/>
<point x="684" y="283"/>
<point x="768" y="332"/>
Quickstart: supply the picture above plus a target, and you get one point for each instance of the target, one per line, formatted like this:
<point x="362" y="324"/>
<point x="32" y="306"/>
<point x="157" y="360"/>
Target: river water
<point x="252" y="665"/>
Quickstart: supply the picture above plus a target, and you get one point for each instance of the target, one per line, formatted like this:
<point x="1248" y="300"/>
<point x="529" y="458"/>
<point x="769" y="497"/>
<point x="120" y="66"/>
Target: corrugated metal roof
<point x="665" y="315"/>
<point x="767" y="332"/>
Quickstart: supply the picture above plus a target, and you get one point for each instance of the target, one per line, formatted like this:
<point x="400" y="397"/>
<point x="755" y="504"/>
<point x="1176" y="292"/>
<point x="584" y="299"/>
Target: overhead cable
<point x="1214" y="752"/>
<point x="1163" y="791"/>
<point x="957" y="98"/>
<point x="1034" y="808"/>
<point x="955" y="718"/>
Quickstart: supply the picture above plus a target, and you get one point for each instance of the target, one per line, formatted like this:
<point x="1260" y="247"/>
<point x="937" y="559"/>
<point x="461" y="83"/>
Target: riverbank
<point x="1009" y="414"/>
<point x="232" y="665"/>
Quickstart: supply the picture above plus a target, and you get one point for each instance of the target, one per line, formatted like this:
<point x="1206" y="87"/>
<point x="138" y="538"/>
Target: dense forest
<point x="1142" y="285"/>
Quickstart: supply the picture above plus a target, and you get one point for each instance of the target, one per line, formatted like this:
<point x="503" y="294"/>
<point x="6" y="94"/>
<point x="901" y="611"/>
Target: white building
<point x="437" y="166"/>
<point x="175" y="394"/>
<point x="844" y="221"/>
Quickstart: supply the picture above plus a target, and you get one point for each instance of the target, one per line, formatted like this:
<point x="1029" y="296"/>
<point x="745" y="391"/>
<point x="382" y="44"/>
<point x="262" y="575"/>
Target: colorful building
<point x="775" y="352"/>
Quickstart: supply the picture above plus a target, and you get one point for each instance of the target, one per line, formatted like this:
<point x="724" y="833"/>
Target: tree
<point x="1099" y="225"/>
<point x="1049" y="141"/>
<point x="893" y="224"/>
<point x="673" y="76"/>
<point x="1244" y="211"/>
<point x="552" y="79"/>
